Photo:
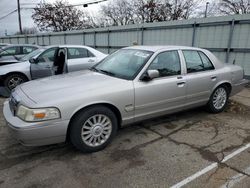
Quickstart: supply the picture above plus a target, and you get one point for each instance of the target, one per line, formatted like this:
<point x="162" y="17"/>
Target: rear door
<point x="43" y="66"/>
<point x="79" y="59"/>
<point x="26" y="50"/>
<point x="201" y="76"/>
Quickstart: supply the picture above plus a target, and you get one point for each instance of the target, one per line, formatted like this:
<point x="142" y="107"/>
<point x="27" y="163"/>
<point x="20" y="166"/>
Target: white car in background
<point x="41" y="63"/>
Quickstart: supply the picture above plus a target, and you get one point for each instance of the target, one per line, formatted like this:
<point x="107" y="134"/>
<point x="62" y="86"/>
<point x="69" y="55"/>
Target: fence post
<point x="64" y="38"/>
<point x="49" y="40"/>
<point x="94" y="39"/>
<point x="230" y="40"/>
<point x="83" y="38"/>
<point x="43" y="40"/>
<point x="194" y="34"/>
<point x="108" y="41"/>
<point x="18" y="40"/>
<point x="26" y="39"/>
<point x="37" y="40"/>
<point x="142" y="35"/>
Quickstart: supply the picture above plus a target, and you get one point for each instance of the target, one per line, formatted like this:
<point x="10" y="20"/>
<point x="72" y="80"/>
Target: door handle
<point x="213" y="78"/>
<point x="181" y="84"/>
<point x="91" y="60"/>
<point x="47" y="67"/>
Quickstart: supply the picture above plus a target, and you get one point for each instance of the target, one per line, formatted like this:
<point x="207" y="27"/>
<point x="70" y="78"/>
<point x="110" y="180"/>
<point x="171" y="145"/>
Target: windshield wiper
<point x="107" y="72"/>
<point x="103" y="71"/>
<point x="93" y="69"/>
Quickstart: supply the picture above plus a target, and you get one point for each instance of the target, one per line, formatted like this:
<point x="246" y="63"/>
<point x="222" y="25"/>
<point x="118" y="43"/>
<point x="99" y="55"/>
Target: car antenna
<point x="10" y="54"/>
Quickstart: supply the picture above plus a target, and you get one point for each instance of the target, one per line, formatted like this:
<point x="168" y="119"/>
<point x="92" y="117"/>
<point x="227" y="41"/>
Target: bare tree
<point x="118" y="12"/>
<point x="59" y="16"/>
<point x="182" y="9"/>
<point x="151" y="10"/>
<point x="234" y="7"/>
<point x="123" y="12"/>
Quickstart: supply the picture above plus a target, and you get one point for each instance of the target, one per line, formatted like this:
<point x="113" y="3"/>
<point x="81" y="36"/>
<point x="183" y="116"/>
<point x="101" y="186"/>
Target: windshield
<point x="124" y="63"/>
<point x="32" y="54"/>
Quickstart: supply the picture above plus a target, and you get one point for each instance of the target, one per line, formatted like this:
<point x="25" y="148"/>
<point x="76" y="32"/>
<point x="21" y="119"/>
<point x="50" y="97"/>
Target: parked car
<point x="133" y="84"/>
<point x="12" y="53"/>
<point x="3" y="44"/>
<point x="41" y="62"/>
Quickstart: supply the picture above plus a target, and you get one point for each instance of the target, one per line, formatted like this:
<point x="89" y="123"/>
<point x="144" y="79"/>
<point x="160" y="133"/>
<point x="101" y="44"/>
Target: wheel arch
<point x="226" y="83"/>
<point x="112" y="107"/>
<point x="15" y="72"/>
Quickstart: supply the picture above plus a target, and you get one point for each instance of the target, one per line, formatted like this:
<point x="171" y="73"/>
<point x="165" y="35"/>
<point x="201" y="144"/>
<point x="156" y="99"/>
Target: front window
<point x="31" y="55"/>
<point x="124" y="64"/>
<point x="167" y="63"/>
<point x="47" y="56"/>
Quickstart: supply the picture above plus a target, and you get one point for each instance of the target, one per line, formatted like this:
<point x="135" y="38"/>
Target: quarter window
<point x="167" y="63"/>
<point x="74" y="53"/>
<point x="196" y="61"/>
<point x="206" y="62"/>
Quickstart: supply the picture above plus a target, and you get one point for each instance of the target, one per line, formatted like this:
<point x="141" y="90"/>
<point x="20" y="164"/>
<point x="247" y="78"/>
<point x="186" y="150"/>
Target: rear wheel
<point x="93" y="129"/>
<point x="13" y="80"/>
<point x="218" y="99"/>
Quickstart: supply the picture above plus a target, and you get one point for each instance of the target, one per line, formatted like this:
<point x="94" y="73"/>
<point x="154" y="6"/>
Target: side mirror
<point x="150" y="75"/>
<point x="33" y="60"/>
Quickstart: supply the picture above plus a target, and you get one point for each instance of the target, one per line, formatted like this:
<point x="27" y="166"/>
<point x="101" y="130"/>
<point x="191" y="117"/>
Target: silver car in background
<point x="12" y="52"/>
<point x="41" y="63"/>
<point x="131" y="85"/>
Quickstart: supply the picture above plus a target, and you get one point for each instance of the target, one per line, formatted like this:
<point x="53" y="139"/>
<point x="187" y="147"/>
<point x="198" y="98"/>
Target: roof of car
<point x="157" y="48"/>
<point x="10" y="45"/>
<point x="66" y="45"/>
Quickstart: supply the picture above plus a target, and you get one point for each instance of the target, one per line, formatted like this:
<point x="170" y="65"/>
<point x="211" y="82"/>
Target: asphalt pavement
<point x="188" y="149"/>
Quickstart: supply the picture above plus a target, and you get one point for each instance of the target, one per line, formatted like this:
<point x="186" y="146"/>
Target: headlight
<point x="33" y="115"/>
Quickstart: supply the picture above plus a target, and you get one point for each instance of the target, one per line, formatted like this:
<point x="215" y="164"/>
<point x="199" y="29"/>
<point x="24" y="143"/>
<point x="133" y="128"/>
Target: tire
<point x="86" y="127"/>
<point x="223" y="91"/>
<point x="13" y="80"/>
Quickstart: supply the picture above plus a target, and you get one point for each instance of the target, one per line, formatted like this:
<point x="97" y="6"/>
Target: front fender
<point x="85" y="105"/>
<point x="23" y="68"/>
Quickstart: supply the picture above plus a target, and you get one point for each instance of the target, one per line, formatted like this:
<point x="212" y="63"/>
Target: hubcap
<point x="96" y="130"/>
<point x="219" y="98"/>
<point x="13" y="82"/>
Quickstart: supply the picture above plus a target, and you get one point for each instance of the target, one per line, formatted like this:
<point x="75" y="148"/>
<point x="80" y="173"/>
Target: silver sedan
<point x="131" y="85"/>
<point x="43" y="62"/>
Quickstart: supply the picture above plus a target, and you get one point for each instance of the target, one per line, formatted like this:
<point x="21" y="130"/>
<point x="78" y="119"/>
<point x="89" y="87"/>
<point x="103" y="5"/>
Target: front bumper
<point x="236" y="88"/>
<point x="35" y="133"/>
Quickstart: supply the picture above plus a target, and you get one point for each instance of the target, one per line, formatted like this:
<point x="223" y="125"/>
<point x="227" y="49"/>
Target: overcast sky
<point x="10" y="23"/>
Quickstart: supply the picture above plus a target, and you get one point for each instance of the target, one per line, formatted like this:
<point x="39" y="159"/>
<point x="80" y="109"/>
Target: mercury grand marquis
<point x="131" y="85"/>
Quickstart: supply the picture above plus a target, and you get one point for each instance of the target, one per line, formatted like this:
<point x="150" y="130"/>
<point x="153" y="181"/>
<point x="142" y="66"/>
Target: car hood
<point x="9" y="61"/>
<point x="68" y="85"/>
<point x="14" y="67"/>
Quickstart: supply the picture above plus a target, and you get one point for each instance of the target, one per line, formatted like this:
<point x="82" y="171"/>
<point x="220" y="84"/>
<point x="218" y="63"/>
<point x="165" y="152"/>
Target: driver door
<point x="162" y="94"/>
<point x="43" y="65"/>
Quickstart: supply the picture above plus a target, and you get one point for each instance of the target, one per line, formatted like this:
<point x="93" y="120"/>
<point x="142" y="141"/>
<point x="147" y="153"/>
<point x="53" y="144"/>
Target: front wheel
<point x="218" y="99"/>
<point x="93" y="129"/>
<point x="13" y="80"/>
